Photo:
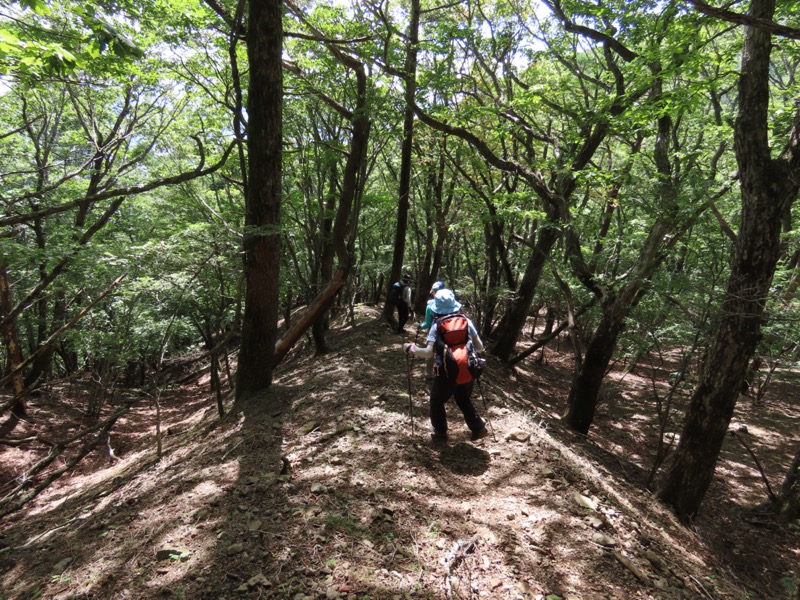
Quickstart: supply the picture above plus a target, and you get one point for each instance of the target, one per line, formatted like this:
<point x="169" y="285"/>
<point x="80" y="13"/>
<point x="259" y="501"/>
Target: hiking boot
<point x="438" y="437"/>
<point x="481" y="433"/>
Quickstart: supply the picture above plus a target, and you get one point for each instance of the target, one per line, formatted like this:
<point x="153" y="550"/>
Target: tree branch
<point x="198" y="171"/>
<point x="342" y="110"/>
<point x="6" y="506"/>
<point x="770" y="493"/>
<point x="626" y="54"/>
<point x="223" y="14"/>
<point x="544" y="341"/>
<point x="325" y="40"/>
<point x="747" y="20"/>
<point x="53" y="338"/>
<point x="534" y="178"/>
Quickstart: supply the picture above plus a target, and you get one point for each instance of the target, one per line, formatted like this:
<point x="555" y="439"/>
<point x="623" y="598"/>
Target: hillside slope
<point x="332" y="490"/>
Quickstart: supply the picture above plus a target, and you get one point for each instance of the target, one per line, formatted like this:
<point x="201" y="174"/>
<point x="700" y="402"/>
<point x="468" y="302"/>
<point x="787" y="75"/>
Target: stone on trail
<point x="584" y="501"/>
<point x="517" y="435"/>
<point x="308" y="427"/>
<point x="61" y="565"/>
<point x="172" y="552"/>
<point x="604" y="540"/>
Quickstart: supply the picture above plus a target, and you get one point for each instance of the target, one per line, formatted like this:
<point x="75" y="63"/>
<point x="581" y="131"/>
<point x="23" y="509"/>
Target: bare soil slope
<point x="331" y="490"/>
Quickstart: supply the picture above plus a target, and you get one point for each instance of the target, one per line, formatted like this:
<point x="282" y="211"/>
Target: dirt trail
<point x="325" y="493"/>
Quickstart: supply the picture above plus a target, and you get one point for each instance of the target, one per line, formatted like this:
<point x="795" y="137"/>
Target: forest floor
<point x="330" y="490"/>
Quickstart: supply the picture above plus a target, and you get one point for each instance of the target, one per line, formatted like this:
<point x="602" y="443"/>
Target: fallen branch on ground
<point x="770" y="493"/>
<point x="27" y="440"/>
<point x="18" y="497"/>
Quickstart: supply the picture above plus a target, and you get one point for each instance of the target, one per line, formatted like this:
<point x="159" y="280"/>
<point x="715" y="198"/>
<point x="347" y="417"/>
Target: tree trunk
<point x="405" y="153"/>
<point x="789" y="496"/>
<point x="437" y="207"/>
<point x="353" y="181"/>
<point x="424" y="276"/>
<point x="11" y="341"/>
<point x="767" y="186"/>
<point x="492" y="280"/>
<point x="586" y="386"/>
<point x="714" y="400"/>
<point x="262" y="198"/>
<point x="616" y="309"/>
<point x="514" y="318"/>
<point x="438" y="230"/>
<point x="324" y="272"/>
<point x="41" y="366"/>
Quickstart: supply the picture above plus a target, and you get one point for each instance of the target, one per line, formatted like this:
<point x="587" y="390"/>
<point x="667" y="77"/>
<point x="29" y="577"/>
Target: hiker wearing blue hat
<point x="453" y="342"/>
<point x="426" y="324"/>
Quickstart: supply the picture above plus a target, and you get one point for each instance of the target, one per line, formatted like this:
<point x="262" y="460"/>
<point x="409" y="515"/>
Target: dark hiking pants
<point x="402" y="315"/>
<point x="441" y="391"/>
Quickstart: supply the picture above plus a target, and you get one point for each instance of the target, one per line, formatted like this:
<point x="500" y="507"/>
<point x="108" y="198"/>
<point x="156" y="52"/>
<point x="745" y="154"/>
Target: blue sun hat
<point x="445" y="302"/>
<point x="437" y="286"/>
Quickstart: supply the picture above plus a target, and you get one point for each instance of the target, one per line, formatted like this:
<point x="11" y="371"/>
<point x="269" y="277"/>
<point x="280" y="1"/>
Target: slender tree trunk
<point x="437" y="232"/>
<point x="586" y="386"/>
<point x="325" y="270"/>
<point x="405" y="166"/>
<point x="616" y="307"/>
<point x="262" y="197"/>
<point x="492" y="279"/>
<point x="11" y="341"/>
<point x="789" y="496"/>
<point x="767" y="186"/>
<point x="493" y="231"/>
<point x="343" y="223"/>
<point x="714" y="400"/>
<point x="216" y="385"/>
<point x="442" y="210"/>
<point x="433" y="200"/>
<point x="514" y="318"/>
<point x="341" y="227"/>
<point x="424" y="277"/>
<point x="41" y="366"/>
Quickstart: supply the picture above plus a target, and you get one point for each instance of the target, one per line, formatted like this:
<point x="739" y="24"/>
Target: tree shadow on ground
<point x="320" y="489"/>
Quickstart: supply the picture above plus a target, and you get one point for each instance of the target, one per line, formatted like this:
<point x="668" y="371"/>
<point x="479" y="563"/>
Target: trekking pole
<point x="486" y="408"/>
<point x="409" y="368"/>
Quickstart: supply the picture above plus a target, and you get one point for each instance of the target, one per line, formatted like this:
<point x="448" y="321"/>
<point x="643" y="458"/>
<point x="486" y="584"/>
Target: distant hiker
<point x="400" y="296"/>
<point x="426" y="325"/>
<point x="454" y="342"/>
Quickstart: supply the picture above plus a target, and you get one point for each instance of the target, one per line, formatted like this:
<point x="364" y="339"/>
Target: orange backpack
<point x="453" y="348"/>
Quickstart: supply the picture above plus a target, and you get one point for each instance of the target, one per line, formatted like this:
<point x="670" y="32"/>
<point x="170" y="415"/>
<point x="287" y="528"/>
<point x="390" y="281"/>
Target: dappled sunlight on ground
<point x="331" y="488"/>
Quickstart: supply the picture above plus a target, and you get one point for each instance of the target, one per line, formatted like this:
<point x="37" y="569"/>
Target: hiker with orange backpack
<point x="426" y="324"/>
<point x="454" y="342"/>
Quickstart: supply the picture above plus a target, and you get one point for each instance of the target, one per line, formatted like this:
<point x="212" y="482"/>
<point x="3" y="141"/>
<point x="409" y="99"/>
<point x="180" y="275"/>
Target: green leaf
<point x="788" y="584"/>
<point x="37" y="6"/>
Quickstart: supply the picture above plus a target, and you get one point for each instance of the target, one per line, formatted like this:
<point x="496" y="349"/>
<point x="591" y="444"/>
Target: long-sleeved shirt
<point x="426" y="324"/>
